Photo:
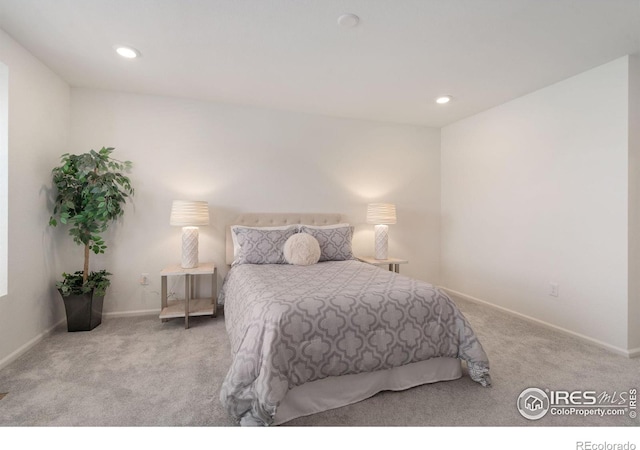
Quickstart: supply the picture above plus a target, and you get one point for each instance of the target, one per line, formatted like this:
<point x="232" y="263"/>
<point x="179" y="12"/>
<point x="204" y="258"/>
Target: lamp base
<point x="382" y="242"/>
<point x="189" y="247"/>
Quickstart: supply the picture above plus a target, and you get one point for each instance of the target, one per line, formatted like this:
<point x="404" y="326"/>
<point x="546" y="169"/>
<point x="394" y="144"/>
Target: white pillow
<point x="302" y="249"/>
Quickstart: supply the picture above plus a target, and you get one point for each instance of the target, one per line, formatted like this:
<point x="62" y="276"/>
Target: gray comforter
<point x="289" y="324"/>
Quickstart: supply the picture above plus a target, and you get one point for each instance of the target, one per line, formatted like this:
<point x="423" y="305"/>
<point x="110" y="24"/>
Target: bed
<point x="308" y="338"/>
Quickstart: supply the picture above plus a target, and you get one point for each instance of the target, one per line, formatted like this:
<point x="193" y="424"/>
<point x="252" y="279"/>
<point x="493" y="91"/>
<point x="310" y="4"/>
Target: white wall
<point x="243" y="159"/>
<point x="39" y="108"/>
<point x="4" y="176"/>
<point x="535" y="191"/>
<point x="634" y="204"/>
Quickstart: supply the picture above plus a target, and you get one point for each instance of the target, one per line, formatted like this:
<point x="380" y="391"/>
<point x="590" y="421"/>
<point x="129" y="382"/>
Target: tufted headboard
<point x="274" y="220"/>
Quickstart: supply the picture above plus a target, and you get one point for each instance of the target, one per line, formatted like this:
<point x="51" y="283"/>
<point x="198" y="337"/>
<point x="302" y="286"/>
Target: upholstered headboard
<point x="274" y="220"/>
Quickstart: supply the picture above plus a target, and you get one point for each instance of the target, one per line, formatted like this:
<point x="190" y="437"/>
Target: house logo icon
<point x="533" y="403"/>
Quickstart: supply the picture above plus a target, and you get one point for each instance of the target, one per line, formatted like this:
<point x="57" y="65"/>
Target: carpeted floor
<point x="142" y="372"/>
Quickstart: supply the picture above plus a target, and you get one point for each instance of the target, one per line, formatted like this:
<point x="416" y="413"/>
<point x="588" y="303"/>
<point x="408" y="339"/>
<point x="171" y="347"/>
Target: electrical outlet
<point x="554" y="289"/>
<point x="144" y="279"/>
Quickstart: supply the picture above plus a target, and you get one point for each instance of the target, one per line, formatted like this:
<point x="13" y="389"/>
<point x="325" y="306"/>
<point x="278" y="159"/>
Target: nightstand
<point x="394" y="263"/>
<point x="190" y="306"/>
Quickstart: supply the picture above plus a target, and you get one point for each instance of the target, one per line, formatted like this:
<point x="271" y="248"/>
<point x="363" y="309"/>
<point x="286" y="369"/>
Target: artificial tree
<point x="91" y="193"/>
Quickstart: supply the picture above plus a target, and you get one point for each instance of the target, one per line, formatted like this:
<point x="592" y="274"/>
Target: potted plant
<point x="91" y="193"/>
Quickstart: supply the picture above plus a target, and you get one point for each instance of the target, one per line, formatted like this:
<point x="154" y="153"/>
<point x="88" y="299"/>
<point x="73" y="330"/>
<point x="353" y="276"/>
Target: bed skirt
<point x="334" y="392"/>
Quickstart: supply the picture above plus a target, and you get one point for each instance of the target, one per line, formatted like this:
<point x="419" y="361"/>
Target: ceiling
<point x="293" y="55"/>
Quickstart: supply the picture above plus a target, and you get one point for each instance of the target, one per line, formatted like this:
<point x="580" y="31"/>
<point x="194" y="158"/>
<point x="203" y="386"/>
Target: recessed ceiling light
<point x="348" y="20"/>
<point x="443" y="99"/>
<point x="127" y="52"/>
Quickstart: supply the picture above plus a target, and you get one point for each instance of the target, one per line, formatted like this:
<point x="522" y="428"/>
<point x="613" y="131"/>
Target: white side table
<point x="190" y="306"/>
<point x="394" y="263"/>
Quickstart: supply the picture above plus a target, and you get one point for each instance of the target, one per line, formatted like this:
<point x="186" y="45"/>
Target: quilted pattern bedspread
<point x="289" y="325"/>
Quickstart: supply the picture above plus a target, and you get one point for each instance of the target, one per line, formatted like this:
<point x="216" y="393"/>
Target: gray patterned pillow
<point x="334" y="240"/>
<point x="261" y="245"/>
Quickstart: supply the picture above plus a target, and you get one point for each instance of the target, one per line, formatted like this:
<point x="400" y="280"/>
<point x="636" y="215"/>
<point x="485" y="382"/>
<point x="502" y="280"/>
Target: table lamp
<point x="189" y="215"/>
<point x="381" y="214"/>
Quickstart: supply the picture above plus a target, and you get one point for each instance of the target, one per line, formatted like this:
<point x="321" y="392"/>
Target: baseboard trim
<point x="632" y="353"/>
<point x="26" y="347"/>
<point x="142" y="312"/>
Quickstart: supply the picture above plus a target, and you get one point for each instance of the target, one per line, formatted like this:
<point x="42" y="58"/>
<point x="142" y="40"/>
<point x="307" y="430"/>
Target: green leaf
<point x="73" y="284"/>
<point x="90" y="193"/>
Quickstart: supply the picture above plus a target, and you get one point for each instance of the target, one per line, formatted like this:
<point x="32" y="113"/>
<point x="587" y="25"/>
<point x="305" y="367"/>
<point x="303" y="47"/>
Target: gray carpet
<point x="141" y="372"/>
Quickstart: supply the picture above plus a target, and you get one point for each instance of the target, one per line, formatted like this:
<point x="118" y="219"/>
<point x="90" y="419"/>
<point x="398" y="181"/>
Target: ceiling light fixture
<point x="348" y="20"/>
<point x="443" y="99"/>
<point x="127" y="52"/>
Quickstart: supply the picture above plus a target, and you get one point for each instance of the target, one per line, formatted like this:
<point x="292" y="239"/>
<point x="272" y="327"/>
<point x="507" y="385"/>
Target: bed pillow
<point x="334" y="240"/>
<point x="234" y="239"/>
<point x="302" y="249"/>
<point x="260" y="245"/>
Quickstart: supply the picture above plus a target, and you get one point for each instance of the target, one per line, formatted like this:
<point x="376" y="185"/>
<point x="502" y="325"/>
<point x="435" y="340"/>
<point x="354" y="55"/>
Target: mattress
<point x="291" y="326"/>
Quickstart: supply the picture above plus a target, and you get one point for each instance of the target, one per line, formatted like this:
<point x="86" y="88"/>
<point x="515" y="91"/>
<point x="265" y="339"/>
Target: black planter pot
<point x="84" y="311"/>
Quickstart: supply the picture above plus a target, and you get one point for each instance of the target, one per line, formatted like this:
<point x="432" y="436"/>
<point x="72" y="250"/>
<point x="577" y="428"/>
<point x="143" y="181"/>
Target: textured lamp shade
<point x="189" y="215"/>
<point x="185" y="213"/>
<point x="381" y="214"/>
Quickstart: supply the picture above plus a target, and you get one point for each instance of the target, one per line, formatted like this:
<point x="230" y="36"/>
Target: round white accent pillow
<point x="302" y="249"/>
